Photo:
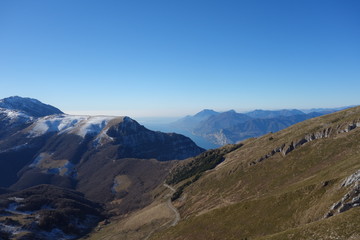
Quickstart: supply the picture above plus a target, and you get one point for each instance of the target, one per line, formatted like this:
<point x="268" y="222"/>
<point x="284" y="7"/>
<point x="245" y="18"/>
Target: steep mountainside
<point x="53" y="149"/>
<point x="299" y="183"/>
<point x="111" y="160"/>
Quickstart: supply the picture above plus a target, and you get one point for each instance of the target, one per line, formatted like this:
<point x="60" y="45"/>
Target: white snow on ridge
<point x="79" y="125"/>
<point x="56" y="123"/>
<point x="13" y="114"/>
<point x="93" y="124"/>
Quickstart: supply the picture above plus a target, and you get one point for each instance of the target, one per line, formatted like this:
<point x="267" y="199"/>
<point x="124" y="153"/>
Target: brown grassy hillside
<point x="279" y="186"/>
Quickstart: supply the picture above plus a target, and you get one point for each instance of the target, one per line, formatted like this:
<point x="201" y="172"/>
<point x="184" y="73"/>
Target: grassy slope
<point x="282" y="195"/>
<point x="139" y="224"/>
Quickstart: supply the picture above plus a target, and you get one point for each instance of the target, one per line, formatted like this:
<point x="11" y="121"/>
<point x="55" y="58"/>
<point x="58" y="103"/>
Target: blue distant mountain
<point x="209" y="128"/>
<point x="273" y="114"/>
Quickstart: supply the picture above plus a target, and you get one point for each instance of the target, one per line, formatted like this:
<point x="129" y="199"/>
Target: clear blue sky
<point x="176" y="57"/>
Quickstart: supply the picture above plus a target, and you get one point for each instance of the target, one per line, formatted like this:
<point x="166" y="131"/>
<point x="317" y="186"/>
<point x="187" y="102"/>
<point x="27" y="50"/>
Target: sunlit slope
<point x="286" y="185"/>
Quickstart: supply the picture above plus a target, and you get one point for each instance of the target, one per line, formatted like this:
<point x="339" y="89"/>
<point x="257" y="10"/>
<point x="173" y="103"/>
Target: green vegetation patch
<point x="201" y="163"/>
<point x="196" y="167"/>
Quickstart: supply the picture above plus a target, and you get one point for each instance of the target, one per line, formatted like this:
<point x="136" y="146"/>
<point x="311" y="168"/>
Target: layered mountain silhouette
<point x="209" y="128"/>
<point x="107" y="177"/>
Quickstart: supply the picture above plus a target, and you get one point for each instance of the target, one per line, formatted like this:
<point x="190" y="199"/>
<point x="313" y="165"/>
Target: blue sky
<point x="172" y="58"/>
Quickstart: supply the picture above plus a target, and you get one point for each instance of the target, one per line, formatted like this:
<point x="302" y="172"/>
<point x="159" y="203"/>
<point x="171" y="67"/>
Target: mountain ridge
<point x="229" y="127"/>
<point x="294" y="182"/>
<point x="78" y="152"/>
<point x="286" y="181"/>
<point x="29" y="106"/>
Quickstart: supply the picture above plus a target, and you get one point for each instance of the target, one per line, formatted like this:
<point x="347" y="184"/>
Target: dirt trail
<point x="171" y="206"/>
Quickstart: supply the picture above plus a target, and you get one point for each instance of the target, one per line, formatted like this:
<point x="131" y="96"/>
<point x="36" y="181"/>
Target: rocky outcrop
<point x="136" y="141"/>
<point x="286" y="148"/>
<point x="220" y="138"/>
<point x="351" y="199"/>
<point x="270" y="154"/>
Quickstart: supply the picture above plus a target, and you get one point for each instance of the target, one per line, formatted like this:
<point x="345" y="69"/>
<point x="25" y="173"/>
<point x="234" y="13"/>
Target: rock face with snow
<point x="16" y="113"/>
<point x="41" y="145"/>
<point x="54" y="145"/>
<point x="67" y="151"/>
<point x="12" y="121"/>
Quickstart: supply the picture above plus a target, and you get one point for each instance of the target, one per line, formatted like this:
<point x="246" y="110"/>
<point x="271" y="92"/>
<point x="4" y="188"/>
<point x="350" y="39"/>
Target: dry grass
<point x="122" y="183"/>
<point x="140" y="224"/>
<point x="238" y="200"/>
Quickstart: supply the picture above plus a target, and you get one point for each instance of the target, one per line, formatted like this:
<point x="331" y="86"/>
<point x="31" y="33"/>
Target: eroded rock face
<point x="136" y="141"/>
<point x="286" y="148"/>
<point x="351" y="199"/>
<point x="353" y="178"/>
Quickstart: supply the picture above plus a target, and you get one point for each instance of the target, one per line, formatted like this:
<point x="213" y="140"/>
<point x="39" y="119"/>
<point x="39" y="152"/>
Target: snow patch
<point x="37" y="160"/>
<point x="15" y="115"/>
<point x="102" y="138"/>
<point x="93" y="125"/>
<point x="11" y="229"/>
<point x="16" y="199"/>
<point x="58" y="123"/>
<point x="79" y="125"/>
<point x="12" y="208"/>
<point x="16" y="148"/>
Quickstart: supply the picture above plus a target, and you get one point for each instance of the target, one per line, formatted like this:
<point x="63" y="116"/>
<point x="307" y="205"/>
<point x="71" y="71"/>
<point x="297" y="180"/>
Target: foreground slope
<point x="299" y="183"/>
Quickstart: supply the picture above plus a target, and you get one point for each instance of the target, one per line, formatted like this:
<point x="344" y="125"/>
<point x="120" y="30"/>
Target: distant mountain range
<point x="211" y="129"/>
<point x="99" y="177"/>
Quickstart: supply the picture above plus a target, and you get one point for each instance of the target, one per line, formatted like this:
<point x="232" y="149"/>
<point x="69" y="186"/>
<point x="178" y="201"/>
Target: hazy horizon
<point x="168" y="118"/>
<point x="175" y="58"/>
